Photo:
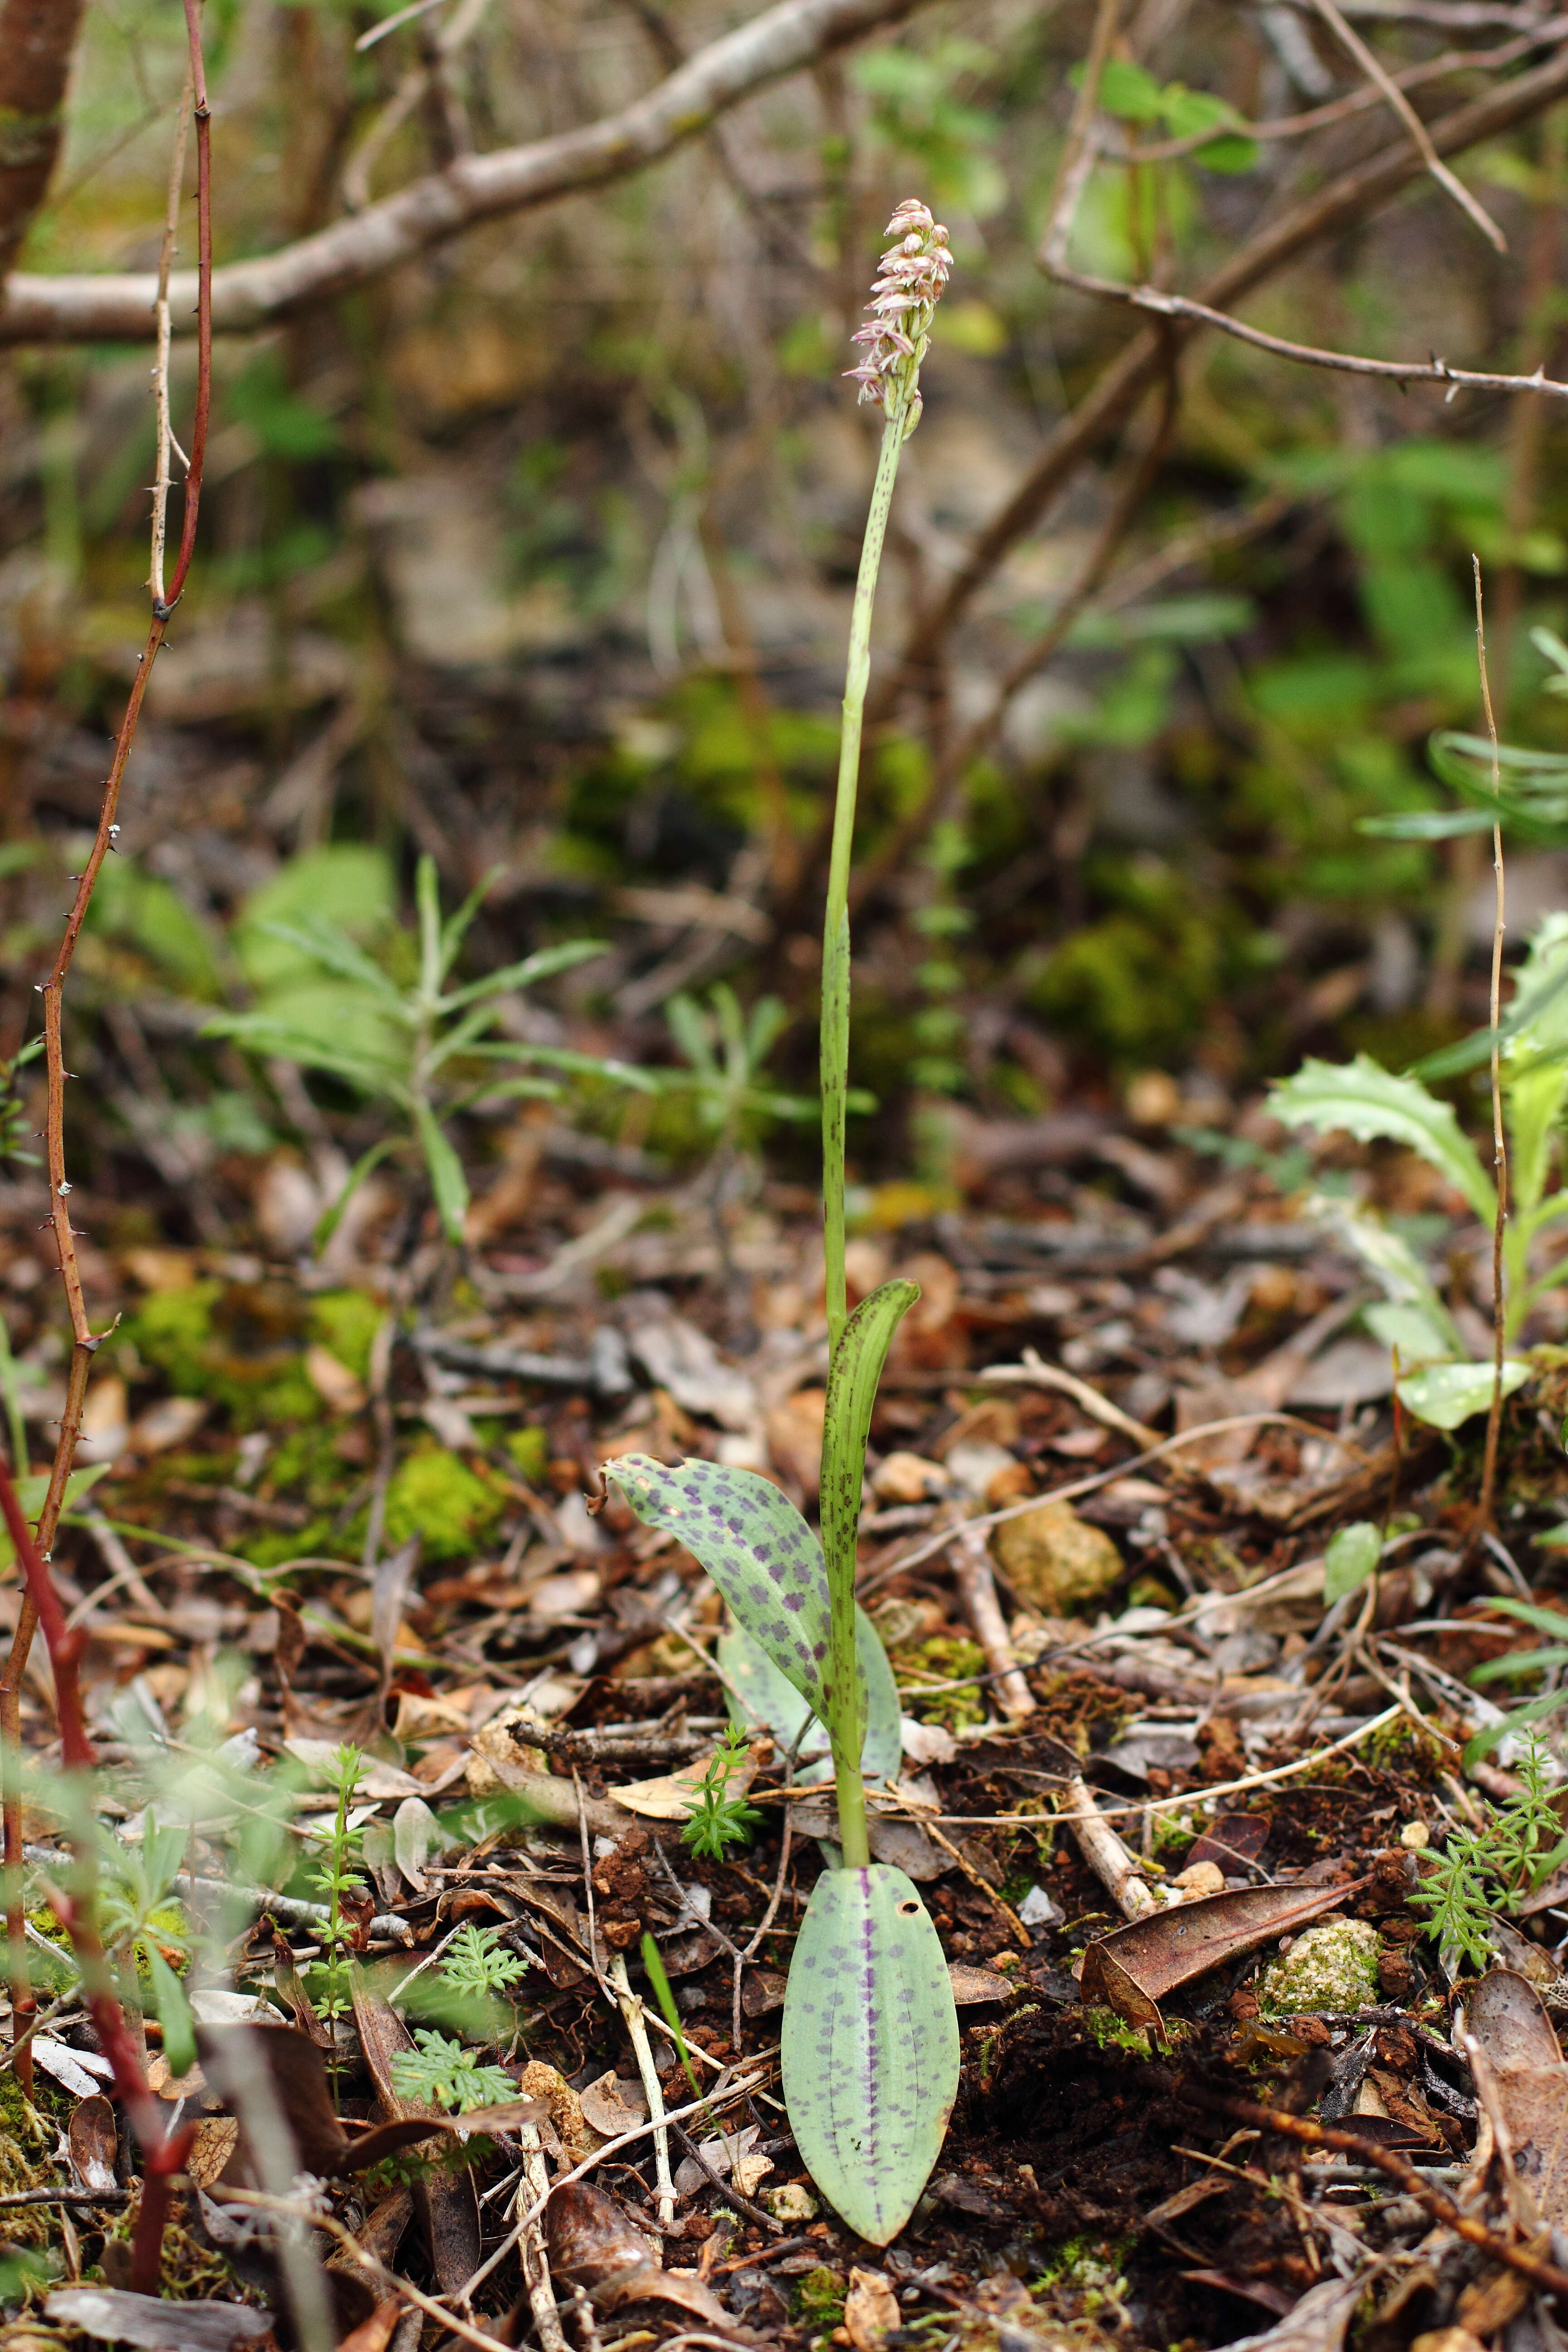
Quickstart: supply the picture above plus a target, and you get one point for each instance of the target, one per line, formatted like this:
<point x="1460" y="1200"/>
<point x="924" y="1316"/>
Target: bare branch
<point x="1400" y="372"/>
<point x="1374" y="70"/>
<point x="36" y="38"/>
<point x="252" y="294"/>
<point x="1115" y="394"/>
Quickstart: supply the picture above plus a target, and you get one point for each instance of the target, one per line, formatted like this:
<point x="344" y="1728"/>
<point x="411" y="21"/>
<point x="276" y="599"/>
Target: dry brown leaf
<point x="613" y="2107"/>
<point x="91" y="2138"/>
<point x="1132" y="1969"/>
<point x="871" y="2310"/>
<point x="1505" y="2020"/>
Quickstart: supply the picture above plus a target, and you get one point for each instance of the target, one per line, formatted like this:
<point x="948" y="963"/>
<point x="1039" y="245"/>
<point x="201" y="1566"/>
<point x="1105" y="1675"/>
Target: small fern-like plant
<point x="330" y="1981"/>
<point x="447" y="2074"/>
<point x="1485" y="1872"/>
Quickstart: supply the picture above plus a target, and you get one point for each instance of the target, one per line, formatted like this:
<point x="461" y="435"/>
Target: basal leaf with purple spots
<point x="869" y="2046"/>
<point x="755" y="1545"/>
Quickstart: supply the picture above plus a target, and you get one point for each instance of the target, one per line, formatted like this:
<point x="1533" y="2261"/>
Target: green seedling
<point x="658" y="1978"/>
<point x="424" y="1047"/>
<point x="718" y="1821"/>
<point x="1440" y="1385"/>
<point x="1481" y="1873"/>
<point x="870" y="2033"/>
<point x="330" y="1981"/>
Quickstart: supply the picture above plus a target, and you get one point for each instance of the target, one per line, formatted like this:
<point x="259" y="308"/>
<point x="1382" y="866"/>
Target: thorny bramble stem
<point x="84" y="1341"/>
<point x="896" y="334"/>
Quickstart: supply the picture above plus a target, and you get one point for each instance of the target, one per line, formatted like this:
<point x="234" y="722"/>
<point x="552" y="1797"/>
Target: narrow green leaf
<point x="447" y="1180"/>
<point x="771" y="1704"/>
<point x="541" y="965"/>
<point x="1444" y="1395"/>
<point x="755" y="1545"/>
<point x="173" y="2011"/>
<point x="1350" y="1560"/>
<point x="658" y="1978"/>
<point x="1546" y="1621"/>
<point x="1425" y="824"/>
<point x="1517" y="1664"/>
<point x="852" y="1378"/>
<point x="1372" y="1104"/>
<point x="870" y="2046"/>
<point x="1518" y="1720"/>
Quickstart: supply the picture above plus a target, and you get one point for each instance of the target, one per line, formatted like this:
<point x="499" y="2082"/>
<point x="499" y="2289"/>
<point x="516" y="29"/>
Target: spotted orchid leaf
<point x="769" y="1703"/>
<point x="755" y="1546"/>
<point x="869" y="2046"/>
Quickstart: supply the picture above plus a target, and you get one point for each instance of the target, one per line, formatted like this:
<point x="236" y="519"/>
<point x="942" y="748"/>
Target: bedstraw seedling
<point x="871" y="2034"/>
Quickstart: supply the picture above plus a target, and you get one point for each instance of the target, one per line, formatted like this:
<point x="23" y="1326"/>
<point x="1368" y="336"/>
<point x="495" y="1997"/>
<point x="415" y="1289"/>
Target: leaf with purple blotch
<point x="869" y="2046"/>
<point x="755" y="1545"/>
<point x="762" y="1695"/>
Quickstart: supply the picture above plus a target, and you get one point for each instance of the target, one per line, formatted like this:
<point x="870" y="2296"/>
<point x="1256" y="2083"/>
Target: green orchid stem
<point x="845" y="1729"/>
<point x="836" y="925"/>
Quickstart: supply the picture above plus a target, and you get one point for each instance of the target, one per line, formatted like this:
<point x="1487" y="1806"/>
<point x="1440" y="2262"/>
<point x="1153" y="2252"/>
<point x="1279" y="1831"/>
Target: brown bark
<point x="36" y="41"/>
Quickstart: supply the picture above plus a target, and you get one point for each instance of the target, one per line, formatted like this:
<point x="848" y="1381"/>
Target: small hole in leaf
<point x="907" y="1910"/>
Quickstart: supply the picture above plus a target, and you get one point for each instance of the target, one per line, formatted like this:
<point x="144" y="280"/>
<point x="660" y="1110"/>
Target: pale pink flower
<point x="904" y="295"/>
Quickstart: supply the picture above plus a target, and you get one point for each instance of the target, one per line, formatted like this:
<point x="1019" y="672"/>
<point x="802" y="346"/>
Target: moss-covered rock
<point x="1055" y="1561"/>
<point x="436" y="1495"/>
<point x="1331" y="1967"/>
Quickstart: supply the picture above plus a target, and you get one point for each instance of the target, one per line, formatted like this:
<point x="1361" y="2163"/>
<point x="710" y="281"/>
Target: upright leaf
<point x="1372" y="1104"/>
<point x="447" y="1180"/>
<point x="769" y="1703"/>
<point x="870" y="2046"/>
<point x="852" y="1378"/>
<point x="755" y="1545"/>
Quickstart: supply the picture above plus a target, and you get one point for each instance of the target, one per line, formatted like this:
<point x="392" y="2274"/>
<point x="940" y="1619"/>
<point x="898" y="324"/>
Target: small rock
<point x="1200" y="1878"/>
<point x="1056" y="1561"/>
<point x="1331" y="1966"/>
<point x="973" y="1463"/>
<point x="907" y="1478"/>
<point x="793" y="2203"/>
<point x="1416" y="1837"/>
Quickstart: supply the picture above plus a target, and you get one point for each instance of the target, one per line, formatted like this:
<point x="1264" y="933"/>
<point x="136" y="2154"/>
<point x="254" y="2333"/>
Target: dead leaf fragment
<point x="1506" y="2021"/>
<point x="333" y="1383"/>
<point x="148" y="2321"/>
<point x="1132" y="1969"/>
<point x="592" y="2244"/>
<point x="1317" y="2323"/>
<point x="613" y="2107"/>
<point x="871" y="2310"/>
<point x="91" y="2136"/>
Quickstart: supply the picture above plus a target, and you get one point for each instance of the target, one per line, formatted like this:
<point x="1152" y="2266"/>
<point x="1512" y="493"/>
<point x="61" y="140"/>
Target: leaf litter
<point x="1146" y="1739"/>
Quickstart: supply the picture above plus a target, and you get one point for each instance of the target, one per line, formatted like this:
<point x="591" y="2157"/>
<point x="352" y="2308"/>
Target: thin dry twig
<point x="1377" y="72"/>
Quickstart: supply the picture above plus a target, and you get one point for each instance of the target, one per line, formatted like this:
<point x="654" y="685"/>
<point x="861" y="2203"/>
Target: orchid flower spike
<point x="908" y="287"/>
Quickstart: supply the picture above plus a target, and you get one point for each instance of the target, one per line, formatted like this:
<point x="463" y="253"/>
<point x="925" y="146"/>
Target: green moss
<point x="819" y="2298"/>
<point x="346" y="1323"/>
<point x="438" y="1497"/>
<point x="530" y="1449"/>
<point x="1329" y="1968"/>
<point x="1109" y="2032"/>
<point x="173" y="1332"/>
<point x="948" y="1658"/>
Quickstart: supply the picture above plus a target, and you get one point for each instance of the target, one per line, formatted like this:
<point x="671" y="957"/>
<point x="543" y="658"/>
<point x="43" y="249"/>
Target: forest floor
<point x="356" y="1501"/>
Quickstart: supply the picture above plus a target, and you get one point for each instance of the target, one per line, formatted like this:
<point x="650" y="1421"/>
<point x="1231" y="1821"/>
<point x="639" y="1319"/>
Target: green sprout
<point x="718" y="1821"/>
<point x="1495" y="1869"/>
<point x="328" y="1981"/>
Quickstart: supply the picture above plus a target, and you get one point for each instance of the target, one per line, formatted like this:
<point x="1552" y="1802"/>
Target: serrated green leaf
<point x="771" y="1704"/>
<point x="1363" y="1100"/>
<point x="1444" y="1395"/>
<point x="173" y="2011"/>
<point x="1350" y="1560"/>
<point x="755" y="1546"/>
<point x="870" y="2046"/>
